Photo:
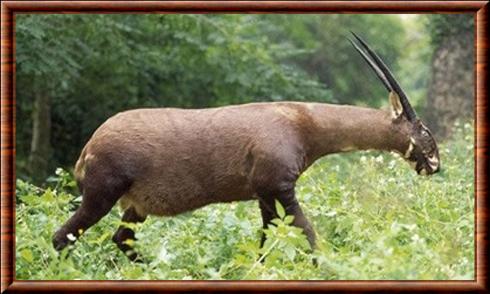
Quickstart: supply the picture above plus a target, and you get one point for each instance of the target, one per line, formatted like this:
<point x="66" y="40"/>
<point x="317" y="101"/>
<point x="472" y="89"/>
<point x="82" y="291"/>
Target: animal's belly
<point x="176" y="198"/>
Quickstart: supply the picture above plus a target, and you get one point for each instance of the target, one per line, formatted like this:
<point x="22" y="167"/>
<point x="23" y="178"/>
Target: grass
<point x="374" y="218"/>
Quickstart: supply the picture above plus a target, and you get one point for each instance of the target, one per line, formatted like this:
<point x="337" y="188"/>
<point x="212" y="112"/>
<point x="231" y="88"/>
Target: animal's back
<point x="179" y="159"/>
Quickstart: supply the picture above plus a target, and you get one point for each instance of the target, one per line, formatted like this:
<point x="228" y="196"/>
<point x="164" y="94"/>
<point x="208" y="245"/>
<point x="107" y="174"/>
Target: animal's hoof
<point x="135" y="257"/>
<point x="61" y="240"/>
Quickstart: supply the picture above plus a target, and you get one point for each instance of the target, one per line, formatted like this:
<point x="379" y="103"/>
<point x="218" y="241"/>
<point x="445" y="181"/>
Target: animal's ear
<point x="395" y="105"/>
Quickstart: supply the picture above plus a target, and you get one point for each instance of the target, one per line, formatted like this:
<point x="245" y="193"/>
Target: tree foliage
<point x="442" y="26"/>
<point x="327" y="54"/>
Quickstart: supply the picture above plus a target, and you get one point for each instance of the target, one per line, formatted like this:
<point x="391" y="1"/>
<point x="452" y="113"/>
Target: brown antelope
<point x="167" y="161"/>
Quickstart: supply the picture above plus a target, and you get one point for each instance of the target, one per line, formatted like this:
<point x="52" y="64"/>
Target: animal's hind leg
<point x="123" y="233"/>
<point x="97" y="201"/>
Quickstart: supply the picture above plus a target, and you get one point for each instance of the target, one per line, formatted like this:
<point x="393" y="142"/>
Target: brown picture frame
<point x="10" y="8"/>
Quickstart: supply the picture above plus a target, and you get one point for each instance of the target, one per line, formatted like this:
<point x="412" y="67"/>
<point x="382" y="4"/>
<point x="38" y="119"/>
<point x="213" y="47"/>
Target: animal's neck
<point x="339" y="128"/>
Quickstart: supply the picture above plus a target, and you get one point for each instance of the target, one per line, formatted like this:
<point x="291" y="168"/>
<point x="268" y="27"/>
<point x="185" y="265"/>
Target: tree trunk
<point x="451" y="91"/>
<point x="40" y="153"/>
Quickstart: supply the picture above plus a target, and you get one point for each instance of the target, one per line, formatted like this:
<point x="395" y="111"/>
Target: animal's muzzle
<point x="428" y="170"/>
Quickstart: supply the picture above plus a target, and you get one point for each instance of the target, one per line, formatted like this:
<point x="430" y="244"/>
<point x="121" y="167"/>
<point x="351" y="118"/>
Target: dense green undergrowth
<point x="374" y="218"/>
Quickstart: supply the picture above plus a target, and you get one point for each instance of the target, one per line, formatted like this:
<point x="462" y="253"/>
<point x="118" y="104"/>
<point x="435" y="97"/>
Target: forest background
<point x="374" y="217"/>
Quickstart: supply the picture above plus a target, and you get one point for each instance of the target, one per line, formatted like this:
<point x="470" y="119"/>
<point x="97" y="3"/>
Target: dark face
<point x="422" y="152"/>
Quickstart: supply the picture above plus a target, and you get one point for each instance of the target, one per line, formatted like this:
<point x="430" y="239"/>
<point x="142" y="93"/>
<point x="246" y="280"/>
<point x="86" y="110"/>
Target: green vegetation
<point x="444" y="26"/>
<point x="374" y="218"/>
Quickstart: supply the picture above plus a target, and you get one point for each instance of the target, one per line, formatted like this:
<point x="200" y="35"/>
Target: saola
<point x="167" y="161"/>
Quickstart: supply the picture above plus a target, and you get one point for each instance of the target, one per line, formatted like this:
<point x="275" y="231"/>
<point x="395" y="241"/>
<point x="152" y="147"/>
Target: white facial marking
<point x="71" y="237"/>
<point x="412" y="139"/>
<point x="433" y="162"/>
<point x="433" y="166"/>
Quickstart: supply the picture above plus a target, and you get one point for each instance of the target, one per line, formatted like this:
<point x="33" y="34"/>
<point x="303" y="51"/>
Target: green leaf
<point x="290" y="252"/>
<point x="289" y="219"/>
<point x="29" y="199"/>
<point x="280" y="210"/>
<point x="276" y="221"/>
<point x="27" y="255"/>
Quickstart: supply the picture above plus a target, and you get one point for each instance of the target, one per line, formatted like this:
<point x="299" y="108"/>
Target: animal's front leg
<point x="291" y="206"/>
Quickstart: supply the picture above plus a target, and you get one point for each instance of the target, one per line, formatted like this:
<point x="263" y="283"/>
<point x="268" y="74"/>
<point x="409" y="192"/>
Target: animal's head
<point x="421" y="150"/>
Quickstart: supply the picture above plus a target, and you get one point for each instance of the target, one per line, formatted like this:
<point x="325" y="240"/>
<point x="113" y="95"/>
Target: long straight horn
<point x="374" y="67"/>
<point x="378" y="66"/>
